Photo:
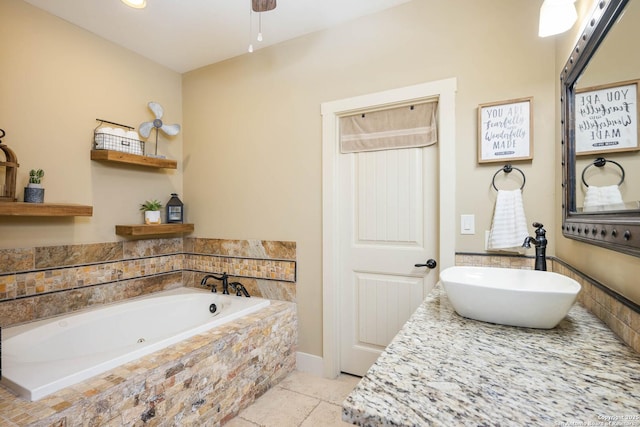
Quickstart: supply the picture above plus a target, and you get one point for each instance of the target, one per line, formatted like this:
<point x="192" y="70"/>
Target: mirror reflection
<point x="607" y="167"/>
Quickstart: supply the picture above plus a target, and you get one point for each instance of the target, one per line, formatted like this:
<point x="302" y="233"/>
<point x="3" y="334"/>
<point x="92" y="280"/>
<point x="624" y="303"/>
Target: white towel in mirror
<point x="603" y="199"/>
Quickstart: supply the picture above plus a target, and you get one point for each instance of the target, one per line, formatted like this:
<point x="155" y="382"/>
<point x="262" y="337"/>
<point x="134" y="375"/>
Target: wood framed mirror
<point x="604" y="65"/>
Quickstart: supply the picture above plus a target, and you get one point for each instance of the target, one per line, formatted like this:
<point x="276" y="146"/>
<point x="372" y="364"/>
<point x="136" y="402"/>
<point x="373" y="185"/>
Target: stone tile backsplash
<point x="504" y="261"/>
<point x="260" y="249"/>
<point x="45" y="281"/>
<point x="242" y="267"/>
<point x="265" y="268"/>
<point x="609" y="307"/>
<point x="16" y="260"/>
<point x="67" y="255"/>
<point x="152" y="247"/>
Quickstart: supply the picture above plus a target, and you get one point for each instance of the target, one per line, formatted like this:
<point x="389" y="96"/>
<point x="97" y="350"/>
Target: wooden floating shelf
<point x="44" y="209"/>
<point x="152" y="229"/>
<point x="133" y="159"/>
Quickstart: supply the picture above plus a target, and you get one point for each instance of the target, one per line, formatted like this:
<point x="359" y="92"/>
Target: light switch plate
<point x="468" y="224"/>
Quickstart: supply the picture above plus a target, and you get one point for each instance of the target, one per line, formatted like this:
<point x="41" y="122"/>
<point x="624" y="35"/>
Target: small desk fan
<point x="158" y="111"/>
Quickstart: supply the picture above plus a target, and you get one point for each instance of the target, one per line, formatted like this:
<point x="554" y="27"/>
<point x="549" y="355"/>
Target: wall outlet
<point x="467" y="224"/>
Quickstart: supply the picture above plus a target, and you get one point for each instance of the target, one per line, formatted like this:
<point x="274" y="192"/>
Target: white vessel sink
<point x="527" y="298"/>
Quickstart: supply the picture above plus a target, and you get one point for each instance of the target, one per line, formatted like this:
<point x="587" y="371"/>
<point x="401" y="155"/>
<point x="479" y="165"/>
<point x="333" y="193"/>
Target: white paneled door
<point x="388" y="223"/>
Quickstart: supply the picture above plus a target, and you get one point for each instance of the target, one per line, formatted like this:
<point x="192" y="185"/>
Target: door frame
<point x="445" y="90"/>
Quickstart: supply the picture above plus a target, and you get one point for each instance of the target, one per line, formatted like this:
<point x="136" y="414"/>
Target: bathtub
<point x="42" y="357"/>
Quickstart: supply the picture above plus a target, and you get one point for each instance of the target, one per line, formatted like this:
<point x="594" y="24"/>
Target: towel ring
<point x="600" y="162"/>
<point x="507" y="169"/>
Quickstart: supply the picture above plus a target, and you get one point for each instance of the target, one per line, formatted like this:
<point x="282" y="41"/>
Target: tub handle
<point x="240" y="289"/>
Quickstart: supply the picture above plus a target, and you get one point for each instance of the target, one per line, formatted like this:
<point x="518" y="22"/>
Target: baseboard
<point x="309" y="363"/>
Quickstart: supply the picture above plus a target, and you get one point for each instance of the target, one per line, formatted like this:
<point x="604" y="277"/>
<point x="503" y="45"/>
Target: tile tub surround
<point x="40" y="282"/>
<point x="266" y="268"/>
<point x="205" y="380"/>
<point x="443" y="369"/>
<point x="622" y="316"/>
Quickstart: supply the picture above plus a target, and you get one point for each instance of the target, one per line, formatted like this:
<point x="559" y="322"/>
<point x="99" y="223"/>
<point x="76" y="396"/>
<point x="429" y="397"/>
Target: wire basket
<point x="117" y="139"/>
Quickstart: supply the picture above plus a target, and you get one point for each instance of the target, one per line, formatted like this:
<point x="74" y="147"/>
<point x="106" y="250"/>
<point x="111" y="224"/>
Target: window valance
<point x="399" y="127"/>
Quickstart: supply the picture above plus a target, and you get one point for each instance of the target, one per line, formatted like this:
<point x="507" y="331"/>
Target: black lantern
<point x="175" y="209"/>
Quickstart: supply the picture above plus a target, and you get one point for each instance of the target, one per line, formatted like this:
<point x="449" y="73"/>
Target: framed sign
<point x="505" y="130"/>
<point x="607" y="118"/>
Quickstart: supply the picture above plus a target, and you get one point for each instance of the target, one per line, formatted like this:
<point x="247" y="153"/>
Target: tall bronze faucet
<point x="540" y="242"/>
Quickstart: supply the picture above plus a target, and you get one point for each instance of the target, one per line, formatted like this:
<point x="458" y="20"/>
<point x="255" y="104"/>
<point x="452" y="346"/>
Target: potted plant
<point x="151" y="210"/>
<point x="33" y="192"/>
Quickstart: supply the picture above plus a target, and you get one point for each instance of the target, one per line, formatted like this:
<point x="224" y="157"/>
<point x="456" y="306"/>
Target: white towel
<point x="509" y="228"/>
<point x="105" y="129"/>
<point x="603" y="199"/>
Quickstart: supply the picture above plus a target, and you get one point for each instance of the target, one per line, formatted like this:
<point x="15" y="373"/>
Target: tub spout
<point x="203" y="282"/>
<point x="224" y="279"/>
<point x="540" y="242"/>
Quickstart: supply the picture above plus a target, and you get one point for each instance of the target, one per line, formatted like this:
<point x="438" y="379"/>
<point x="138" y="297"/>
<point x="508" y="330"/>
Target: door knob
<point x="431" y="263"/>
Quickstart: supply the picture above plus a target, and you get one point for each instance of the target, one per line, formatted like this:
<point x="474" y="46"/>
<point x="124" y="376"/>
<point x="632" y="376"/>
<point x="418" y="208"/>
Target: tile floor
<point x="300" y="399"/>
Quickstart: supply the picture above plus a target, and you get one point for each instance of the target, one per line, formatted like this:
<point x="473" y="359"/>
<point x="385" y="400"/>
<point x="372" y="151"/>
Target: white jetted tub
<point x="42" y="357"/>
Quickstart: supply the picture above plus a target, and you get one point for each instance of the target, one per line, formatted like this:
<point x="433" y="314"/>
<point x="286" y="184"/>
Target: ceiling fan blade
<point x="145" y="129"/>
<point x="157" y="109"/>
<point x="171" y="129"/>
<point x="263" y="5"/>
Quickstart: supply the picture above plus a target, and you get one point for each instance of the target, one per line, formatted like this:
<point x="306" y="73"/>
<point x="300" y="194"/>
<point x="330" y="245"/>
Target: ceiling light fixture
<point x="258" y="6"/>
<point x="556" y="16"/>
<point x="250" y="49"/>
<point x="136" y="4"/>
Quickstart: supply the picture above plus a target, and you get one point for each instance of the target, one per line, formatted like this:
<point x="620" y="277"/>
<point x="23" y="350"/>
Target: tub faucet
<point x="225" y="282"/>
<point x="540" y="242"/>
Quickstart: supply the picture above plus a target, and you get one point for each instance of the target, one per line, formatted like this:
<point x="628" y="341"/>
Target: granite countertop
<point x="444" y="370"/>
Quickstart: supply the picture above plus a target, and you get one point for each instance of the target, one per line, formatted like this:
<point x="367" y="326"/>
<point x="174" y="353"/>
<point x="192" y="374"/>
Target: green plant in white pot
<point x="33" y="192"/>
<point x="151" y="209"/>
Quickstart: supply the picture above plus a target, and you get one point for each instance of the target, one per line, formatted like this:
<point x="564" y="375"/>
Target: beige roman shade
<point x="399" y="127"/>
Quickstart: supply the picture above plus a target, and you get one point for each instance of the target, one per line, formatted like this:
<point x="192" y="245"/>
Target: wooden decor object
<point x="10" y="164"/>
<point x="138" y="230"/>
<point x="133" y="159"/>
<point x="44" y="209"/>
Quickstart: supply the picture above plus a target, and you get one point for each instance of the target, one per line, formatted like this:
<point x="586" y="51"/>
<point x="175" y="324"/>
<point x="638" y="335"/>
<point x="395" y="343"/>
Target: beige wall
<point x="253" y="125"/>
<point x="56" y="79"/>
<point x="617" y="271"/>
